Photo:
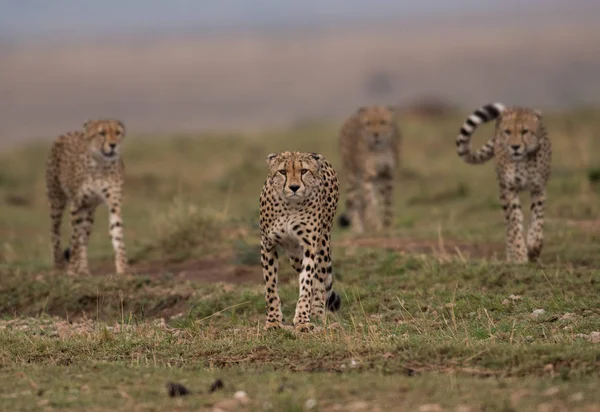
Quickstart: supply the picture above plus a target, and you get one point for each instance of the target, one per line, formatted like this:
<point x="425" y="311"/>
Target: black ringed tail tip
<point x="67" y="254"/>
<point x="334" y="302"/>
<point x="344" y="221"/>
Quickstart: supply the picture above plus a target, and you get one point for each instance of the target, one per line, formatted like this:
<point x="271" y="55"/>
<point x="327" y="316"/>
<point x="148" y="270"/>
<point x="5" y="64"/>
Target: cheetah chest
<point x="381" y="163"/>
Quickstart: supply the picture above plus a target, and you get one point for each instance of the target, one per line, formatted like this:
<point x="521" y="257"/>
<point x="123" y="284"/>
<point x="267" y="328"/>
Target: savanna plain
<point x="432" y="318"/>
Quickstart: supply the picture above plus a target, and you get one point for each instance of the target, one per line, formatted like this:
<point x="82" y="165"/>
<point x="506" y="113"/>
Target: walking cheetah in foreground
<point x="523" y="161"/>
<point x="85" y="169"/>
<point x="297" y="206"/>
<point x="369" y="144"/>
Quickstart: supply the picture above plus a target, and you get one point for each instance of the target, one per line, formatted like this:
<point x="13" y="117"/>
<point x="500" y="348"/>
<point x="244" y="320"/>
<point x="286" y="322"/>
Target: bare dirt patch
<point x="212" y="269"/>
<point x="442" y="248"/>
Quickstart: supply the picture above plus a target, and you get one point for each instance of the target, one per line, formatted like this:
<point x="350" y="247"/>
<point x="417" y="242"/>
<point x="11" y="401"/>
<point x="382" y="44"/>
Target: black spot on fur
<point x="67" y="254"/>
<point x="334" y="302"/>
<point x="344" y="221"/>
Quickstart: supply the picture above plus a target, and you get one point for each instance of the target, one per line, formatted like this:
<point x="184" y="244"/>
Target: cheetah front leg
<point x="113" y="199"/>
<point x="535" y="233"/>
<point x="373" y="222"/>
<point x="270" y="264"/>
<point x="323" y="273"/>
<point x="516" y="251"/>
<point x="386" y="191"/>
<point x="80" y="228"/>
<point x="354" y="205"/>
<point x="58" y="203"/>
<point x="306" y="281"/>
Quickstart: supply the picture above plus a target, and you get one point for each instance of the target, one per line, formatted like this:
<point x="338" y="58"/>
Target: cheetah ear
<point x="88" y="124"/>
<point x="538" y="113"/>
<point x="270" y="158"/>
<point x="361" y="109"/>
<point x="316" y="156"/>
<point x="392" y="109"/>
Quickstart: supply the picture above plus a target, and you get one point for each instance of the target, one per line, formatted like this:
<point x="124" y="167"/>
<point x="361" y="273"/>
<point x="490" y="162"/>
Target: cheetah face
<point x="518" y="130"/>
<point x="294" y="175"/>
<point x="105" y="137"/>
<point x="377" y="126"/>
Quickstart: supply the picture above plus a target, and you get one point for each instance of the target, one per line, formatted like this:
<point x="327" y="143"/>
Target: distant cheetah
<point x="369" y="144"/>
<point x="297" y="206"/>
<point x="523" y="152"/>
<point x="85" y="168"/>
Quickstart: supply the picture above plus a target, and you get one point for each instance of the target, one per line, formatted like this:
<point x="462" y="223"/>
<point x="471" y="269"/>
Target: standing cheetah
<point x="85" y="168"/>
<point x="369" y="145"/>
<point x="297" y="206"/>
<point x="523" y="161"/>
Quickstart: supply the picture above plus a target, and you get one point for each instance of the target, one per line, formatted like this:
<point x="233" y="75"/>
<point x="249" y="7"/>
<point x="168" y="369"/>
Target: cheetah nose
<point x="294" y="188"/>
<point x="515" y="147"/>
<point x="376" y="135"/>
<point x="112" y="145"/>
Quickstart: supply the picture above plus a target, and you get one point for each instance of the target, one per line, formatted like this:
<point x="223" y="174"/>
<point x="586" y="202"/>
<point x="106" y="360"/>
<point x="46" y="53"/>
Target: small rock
<point x="241" y="397"/>
<point x="353" y="363"/>
<point x="576" y="397"/>
<point x="593" y="337"/>
<point x="310" y="404"/>
<point x="216" y="385"/>
<point x="176" y="389"/>
<point x="357" y="406"/>
<point x="567" y="317"/>
<point x="537" y="312"/>
<point x="226" y="405"/>
<point x="552" y="391"/>
<point x="431" y="407"/>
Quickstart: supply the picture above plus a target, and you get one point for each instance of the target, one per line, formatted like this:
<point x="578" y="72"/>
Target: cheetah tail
<point x="484" y="114"/>
<point x="333" y="300"/>
<point x="344" y="221"/>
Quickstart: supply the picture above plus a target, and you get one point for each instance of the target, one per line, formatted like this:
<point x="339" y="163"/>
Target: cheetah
<point x="523" y="161"/>
<point x="85" y="169"/>
<point x="369" y="143"/>
<point x="297" y="206"/>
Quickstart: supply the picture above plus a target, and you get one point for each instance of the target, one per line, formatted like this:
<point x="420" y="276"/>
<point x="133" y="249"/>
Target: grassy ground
<point x="432" y="319"/>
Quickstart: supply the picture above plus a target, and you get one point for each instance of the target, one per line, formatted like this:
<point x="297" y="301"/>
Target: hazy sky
<point x="19" y="18"/>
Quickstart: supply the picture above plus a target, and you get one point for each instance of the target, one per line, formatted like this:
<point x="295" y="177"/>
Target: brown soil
<point x="219" y="268"/>
<point x="210" y="269"/>
<point x="446" y="248"/>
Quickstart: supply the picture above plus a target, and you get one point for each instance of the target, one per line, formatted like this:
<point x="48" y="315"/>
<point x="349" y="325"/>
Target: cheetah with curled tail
<point x="369" y="143"/>
<point x="85" y="169"/>
<point x="523" y="161"/>
<point x="297" y="206"/>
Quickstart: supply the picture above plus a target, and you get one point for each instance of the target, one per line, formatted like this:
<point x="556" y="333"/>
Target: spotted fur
<point x="523" y="162"/>
<point x="84" y="169"/>
<point x="369" y="144"/>
<point x="297" y="206"/>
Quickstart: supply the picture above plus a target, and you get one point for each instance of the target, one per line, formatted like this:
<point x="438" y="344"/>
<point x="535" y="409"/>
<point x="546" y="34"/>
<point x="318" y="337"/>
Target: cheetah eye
<point x="368" y="123"/>
<point x="102" y="133"/>
<point x="382" y="122"/>
<point x="507" y="132"/>
<point x="524" y="131"/>
<point x="118" y="133"/>
<point x="303" y="171"/>
<point x="282" y="171"/>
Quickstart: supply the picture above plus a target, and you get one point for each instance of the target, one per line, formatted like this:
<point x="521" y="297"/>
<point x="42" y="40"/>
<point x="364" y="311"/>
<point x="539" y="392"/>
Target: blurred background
<point x="191" y="65"/>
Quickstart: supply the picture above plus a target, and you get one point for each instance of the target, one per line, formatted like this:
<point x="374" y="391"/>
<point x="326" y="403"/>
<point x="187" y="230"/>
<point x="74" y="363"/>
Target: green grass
<point x="431" y="316"/>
